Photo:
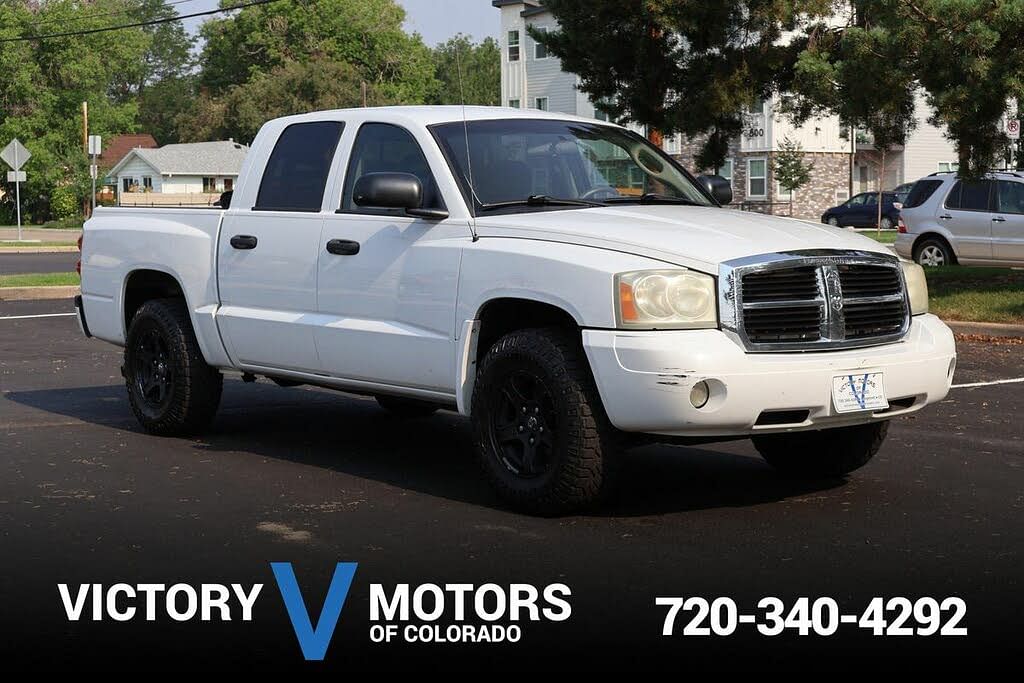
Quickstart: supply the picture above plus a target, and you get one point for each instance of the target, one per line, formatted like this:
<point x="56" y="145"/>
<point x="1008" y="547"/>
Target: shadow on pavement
<point x="431" y="455"/>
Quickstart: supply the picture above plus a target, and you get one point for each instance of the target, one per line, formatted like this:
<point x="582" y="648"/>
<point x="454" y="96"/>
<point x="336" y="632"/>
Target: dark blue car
<point x="861" y="211"/>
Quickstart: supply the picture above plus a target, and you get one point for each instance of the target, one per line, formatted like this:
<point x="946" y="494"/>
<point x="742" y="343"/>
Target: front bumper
<point x="645" y="379"/>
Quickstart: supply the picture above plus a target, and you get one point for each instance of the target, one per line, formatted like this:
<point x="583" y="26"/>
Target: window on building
<point x="147" y="182"/>
<point x="514" y="104"/>
<point x="296" y="173"/>
<point x="229" y="184"/>
<point x="209" y="185"/>
<point x="782" y="194"/>
<point x="841" y="196"/>
<point x="513" y="46"/>
<point x="126" y="184"/>
<point x="725" y="170"/>
<point x="948" y="166"/>
<point x="540" y="51"/>
<point x="757" y="177"/>
<point x="386" y="148"/>
<point x="672" y="144"/>
<point x="541" y="103"/>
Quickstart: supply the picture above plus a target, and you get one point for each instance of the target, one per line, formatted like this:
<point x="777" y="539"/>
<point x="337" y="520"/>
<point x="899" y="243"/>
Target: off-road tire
<point x="581" y="456"/>
<point x="823" y="453"/>
<point x="195" y="389"/>
<point x="400" y="406"/>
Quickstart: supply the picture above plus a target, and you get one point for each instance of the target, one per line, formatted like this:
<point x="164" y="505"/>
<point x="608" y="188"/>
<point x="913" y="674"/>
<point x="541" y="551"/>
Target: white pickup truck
<point x="559" y="280"/>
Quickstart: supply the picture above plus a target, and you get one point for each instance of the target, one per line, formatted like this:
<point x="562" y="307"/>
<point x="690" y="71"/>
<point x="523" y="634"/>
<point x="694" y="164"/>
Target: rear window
<point x="296" y="173"/>
<point x="920" y="192"/>
<point x="970" y="195"/>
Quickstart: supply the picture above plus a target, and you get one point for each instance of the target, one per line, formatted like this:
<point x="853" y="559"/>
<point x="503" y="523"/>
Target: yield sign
<point x="15" y="154"/>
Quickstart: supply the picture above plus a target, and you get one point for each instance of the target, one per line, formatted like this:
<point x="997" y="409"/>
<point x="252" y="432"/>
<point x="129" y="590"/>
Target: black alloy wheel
<point x="522" y="425"/>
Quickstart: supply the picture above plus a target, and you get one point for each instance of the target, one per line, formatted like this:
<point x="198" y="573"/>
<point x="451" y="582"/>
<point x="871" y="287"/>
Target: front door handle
<point x="343" y="247"/>
<point x="998" y="219"/>
<point x="945" y="217"/>
<point x="243" y="242"/>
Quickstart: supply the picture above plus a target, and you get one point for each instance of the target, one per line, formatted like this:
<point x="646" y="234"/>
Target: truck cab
<point x="560" y="281"/>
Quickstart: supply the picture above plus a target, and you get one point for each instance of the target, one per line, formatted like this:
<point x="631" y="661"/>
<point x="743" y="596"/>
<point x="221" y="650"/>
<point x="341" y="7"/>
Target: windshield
<point x="543" y="164"/>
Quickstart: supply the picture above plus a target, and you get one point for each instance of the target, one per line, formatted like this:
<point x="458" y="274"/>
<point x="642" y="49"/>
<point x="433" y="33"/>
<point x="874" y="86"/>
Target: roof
<point x="119" y="145"/>
<point x="428" y="115"/>
<point x="222" y="158"/>
<point x="531" y="7"/>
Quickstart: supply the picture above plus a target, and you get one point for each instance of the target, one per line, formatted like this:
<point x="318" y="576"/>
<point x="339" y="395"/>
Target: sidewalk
<point x="41" y="234"/>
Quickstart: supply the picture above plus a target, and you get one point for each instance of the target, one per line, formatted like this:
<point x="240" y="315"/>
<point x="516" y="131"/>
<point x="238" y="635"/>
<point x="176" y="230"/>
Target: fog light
<point x="699" y="394"/>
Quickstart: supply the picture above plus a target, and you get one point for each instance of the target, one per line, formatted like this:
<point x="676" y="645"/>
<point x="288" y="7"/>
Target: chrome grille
<point x="814" y="300"/>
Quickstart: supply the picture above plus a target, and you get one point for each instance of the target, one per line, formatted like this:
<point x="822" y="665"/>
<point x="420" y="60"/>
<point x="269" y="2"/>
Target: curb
<point x="37" y="293"/>
<point x="37" y="250"/>
<point x="987" y="329"/>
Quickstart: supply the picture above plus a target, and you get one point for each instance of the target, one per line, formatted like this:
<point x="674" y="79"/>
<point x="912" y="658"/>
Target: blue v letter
<point x="314" y="642"/>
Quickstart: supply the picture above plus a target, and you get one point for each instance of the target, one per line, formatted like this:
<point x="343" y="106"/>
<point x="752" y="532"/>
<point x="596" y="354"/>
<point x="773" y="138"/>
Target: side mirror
<point x="719" y="187"/>
<point x="225" y="199"/>
<point x="393" y="191"/>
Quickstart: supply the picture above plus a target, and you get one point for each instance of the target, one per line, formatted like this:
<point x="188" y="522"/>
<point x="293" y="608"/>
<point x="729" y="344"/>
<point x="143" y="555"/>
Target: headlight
<point x="680" y="299"/>
<point x="917" y="287"/>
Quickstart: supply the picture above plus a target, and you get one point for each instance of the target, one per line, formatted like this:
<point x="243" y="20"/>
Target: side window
<point x="1011" y="197"/>
<point x="970" y="195"/>
<point x="871" y="200"/>
<point x="297" y="170"/>
<point x="385" y="148"/>
<point x="920" y="192"/>
<point x="858" y="200"/>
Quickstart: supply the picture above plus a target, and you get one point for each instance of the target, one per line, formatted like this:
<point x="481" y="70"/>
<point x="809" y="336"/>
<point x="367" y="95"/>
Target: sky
<point x="435" y="20"/>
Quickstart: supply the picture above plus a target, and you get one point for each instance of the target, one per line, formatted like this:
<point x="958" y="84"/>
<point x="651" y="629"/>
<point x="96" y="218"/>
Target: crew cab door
<point x="1008" y="222"/>
<point x="268" y="251"/>
<point x="387" y="299"/>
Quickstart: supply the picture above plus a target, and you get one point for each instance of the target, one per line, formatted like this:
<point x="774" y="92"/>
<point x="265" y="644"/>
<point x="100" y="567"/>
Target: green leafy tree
<point x="366" y="34"/>
<point x="792" y="170"/>
<point x="964" y="54"/>
<point x="480" y="67"/>
<point x="293" y="88"/>
<point x="681" y="66"/>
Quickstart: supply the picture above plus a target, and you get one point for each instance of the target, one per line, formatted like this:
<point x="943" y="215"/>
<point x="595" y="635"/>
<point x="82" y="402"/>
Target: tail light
<point x="78" y="266"/>
<point x="901" y="226"/>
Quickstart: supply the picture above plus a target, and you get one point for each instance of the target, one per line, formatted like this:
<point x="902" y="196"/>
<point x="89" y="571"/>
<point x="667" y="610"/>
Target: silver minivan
<point x="947" y="220"/>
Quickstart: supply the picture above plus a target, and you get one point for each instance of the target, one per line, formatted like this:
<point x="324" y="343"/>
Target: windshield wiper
<point x="652" y="198"/>
<point x="539" y="200"/>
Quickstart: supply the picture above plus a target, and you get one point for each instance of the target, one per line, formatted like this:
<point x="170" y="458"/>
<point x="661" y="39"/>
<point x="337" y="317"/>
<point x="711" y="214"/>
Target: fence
<point x="153" y="199"/>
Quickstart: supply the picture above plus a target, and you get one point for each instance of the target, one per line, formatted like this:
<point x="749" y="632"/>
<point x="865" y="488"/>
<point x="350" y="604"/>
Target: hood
<point x="700" y="237"/>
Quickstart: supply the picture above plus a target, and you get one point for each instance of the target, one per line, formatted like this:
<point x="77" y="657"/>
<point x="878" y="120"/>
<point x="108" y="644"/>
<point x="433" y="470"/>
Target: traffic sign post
<point x="95" y="149"/>
<point x="15" y="155"/>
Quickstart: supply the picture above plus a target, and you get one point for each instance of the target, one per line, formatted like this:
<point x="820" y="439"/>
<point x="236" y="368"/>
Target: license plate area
<point x="858" y="392"/>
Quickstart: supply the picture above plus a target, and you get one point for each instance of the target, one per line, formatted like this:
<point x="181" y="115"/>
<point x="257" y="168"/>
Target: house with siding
<point x="843" y="162"/>
<point x="183" y="174"/>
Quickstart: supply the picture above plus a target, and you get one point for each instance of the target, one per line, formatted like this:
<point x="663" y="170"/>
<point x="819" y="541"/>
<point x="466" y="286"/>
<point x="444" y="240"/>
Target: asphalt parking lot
<point x="58" y="262"/>
<point x="316" y="477"/>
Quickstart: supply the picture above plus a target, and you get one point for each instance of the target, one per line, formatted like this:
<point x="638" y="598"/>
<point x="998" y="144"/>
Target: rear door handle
<point x="244" y="242"/>
<point x="945" y="217"/>
<point x="998" y="219"/>
<point x="343" y="247"/>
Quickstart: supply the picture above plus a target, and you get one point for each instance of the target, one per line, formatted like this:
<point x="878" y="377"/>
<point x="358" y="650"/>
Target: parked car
<point x="861" y="211"/>
<point x="946" y="221"/>
<point x="901" y="192"/>
<point x="560" y="281"/>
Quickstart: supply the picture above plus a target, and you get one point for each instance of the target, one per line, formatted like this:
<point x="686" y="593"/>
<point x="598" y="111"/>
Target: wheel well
<point x="501" y="316"/>
<point x="144" y="285"/>
<point x="935" y="236"/>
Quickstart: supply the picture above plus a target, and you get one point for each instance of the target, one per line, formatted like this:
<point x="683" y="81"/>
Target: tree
<point x="681" y="66"/>
<point x="964" y="55"/>
<point x="480" y="67"/>
<point x="792" y="171"/>
<point x="292" y="88"/>
<point x="366" y="34"/>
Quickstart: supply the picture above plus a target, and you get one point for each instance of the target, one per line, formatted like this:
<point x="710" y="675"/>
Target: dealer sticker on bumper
<point x="862" y="391"/>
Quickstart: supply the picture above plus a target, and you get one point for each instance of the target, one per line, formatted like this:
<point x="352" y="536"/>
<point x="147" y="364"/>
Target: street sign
<point x="15" y="155"/>
<point x="95" y="145"/>
<point x="16" y="176"/>
<point x="1013" y="129"/>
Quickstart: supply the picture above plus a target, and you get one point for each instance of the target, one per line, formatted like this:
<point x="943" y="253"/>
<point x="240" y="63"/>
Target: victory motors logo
<point x="424" y="613"/>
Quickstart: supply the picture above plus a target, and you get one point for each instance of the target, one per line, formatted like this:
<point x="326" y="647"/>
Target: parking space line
<point x="38" y="315"/>
<point x="1016" y="380"/>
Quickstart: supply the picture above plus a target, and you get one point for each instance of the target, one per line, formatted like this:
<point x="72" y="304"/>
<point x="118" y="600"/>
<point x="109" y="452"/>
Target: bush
<point x="64" y="203"/>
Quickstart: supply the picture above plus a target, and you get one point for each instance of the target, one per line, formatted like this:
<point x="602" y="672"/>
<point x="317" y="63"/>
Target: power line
<point x="138" y="24"/>
<point x="42" y="21"/>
